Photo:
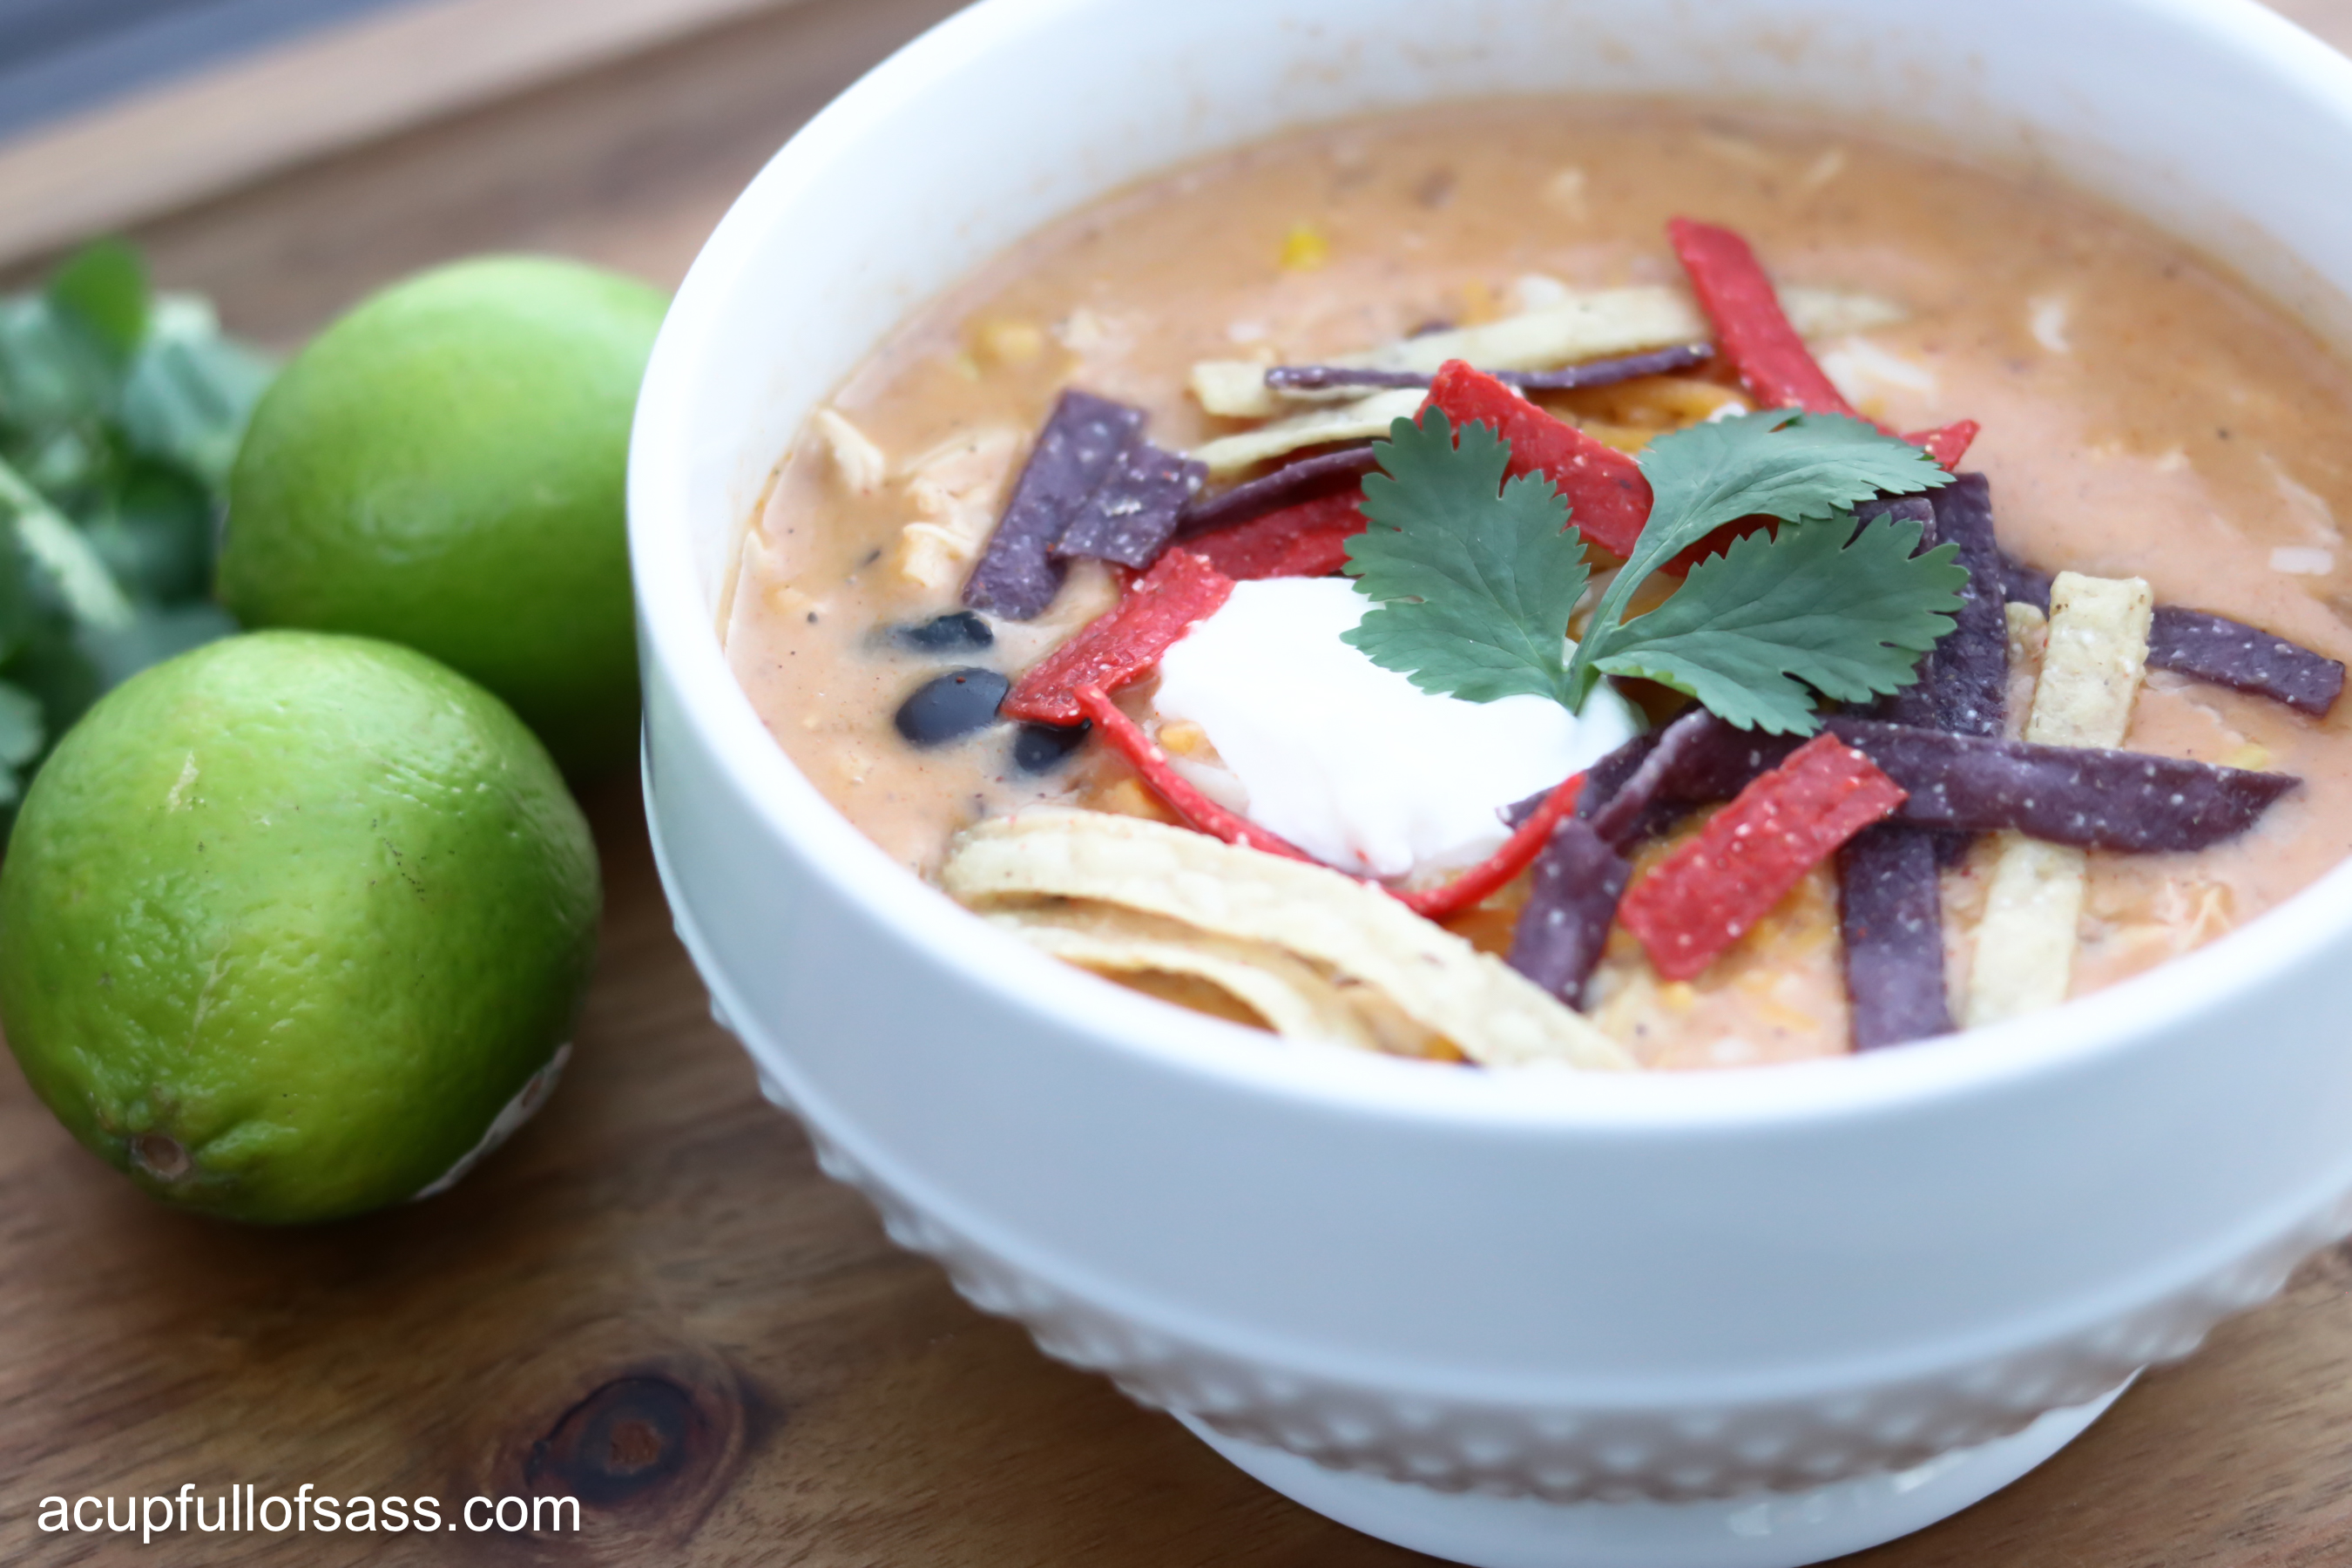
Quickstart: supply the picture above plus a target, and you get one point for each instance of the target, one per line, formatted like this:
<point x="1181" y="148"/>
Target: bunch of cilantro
<point x="1475" y="579"/>
<point x="120" y="412"/>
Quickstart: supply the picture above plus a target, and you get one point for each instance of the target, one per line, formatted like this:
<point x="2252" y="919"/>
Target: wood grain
<point x="651" y="1297"/>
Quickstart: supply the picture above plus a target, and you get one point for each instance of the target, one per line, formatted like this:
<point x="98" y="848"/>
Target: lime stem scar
<point x="159" y="1156"/>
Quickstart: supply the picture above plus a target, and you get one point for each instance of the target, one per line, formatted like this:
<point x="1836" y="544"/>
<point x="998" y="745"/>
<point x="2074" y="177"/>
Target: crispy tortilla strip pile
<point x="1229" y="906"/>
<point x="2091" y="668"/>
<point x="1582" y="326"/>
<point x="1293" y="997"/>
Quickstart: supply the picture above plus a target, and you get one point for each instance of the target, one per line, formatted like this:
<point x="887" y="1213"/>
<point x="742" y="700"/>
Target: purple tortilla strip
<point x="1633" y="788"/>
<point x="1890" y="900"/>
<point x="1969" y="668"/>
<point x="2024" y="585"/>
<point x="1132" y="513"/>
<point x="1693" y="749"/>
<point x="1016" y="577"/>
<point x="1578" y="879"/>
<point x="2068" y="795"/>
<point x="2245" y="658"/>
<point x="1592" y="372"/>
<point x="1286" y="486"/>
<point x="1890" y="913"/>
<point x="1602" y="780"/>
<point x="1964" y="680"/>
<point x="2216" y="648"/>
<point x="1903" y="509"/>
<point x="2087" y="796"/>
<point x="1564" y="924"/>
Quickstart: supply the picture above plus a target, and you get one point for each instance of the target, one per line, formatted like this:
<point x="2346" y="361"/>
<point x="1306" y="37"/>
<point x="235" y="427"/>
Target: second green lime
<point x="293" y="924"/>
<point x="444" y="466"/>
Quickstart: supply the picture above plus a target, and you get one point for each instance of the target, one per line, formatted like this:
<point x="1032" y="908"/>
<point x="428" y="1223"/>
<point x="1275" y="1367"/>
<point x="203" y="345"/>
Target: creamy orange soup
<point x="2143" y="415"/>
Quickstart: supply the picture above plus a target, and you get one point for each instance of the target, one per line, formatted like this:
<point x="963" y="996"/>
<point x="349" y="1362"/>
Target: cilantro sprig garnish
<point x="120" y="411"/>
<point x="1476" y="578"/>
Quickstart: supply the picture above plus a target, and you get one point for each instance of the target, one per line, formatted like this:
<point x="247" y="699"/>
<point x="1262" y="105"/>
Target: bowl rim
<point x="678" y="635"/>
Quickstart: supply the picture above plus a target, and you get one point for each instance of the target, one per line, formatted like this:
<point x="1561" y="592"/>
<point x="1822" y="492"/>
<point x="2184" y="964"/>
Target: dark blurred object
<point x="60" y="56"/>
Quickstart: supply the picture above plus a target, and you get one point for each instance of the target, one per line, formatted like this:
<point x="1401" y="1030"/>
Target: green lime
<point x="289" y="921"/>
<point x="444" y="466"/>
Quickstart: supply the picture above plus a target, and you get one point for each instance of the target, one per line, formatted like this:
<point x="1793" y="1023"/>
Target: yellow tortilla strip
<point x="1435" y="978"/>
<point x="2092" y="660"/>
<point x="1229" y="455"/>
<point x="1236" y="389"/>
<point x="1584" y="326"/>
<point x="1589" y="325"/>
<point x="1295" y="1000"/>
<point x="2025" y="942"/>
<point x="2094" y="653"/>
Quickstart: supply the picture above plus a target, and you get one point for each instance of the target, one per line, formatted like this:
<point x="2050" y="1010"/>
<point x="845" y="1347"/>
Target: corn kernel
<point x="1623" y="438"/>
<point x="1303" y="248"/>
<point x="1127" y="798"/>
<point x="1011" y="342"/>
<point x="1184" y="738"/>
<point x="1478" y="303"/>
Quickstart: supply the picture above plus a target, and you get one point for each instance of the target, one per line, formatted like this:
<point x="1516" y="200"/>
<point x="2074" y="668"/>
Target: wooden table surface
<point x="651" y="1296"/>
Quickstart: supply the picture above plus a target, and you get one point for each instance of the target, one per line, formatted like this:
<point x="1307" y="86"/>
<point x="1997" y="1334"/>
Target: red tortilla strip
<point x="1755" y="335"/>
<point x="1119" y="645"/>
<point x="1518" y="851"/>
<point x="1200" y="813"/>
<point x="1608" y="497"/>
<point x="1711" y="892"/>
<point x="1304" y="480"/>
<point x="1308" y="539"/>
<point x="1771" y="360"/>
<point x="1947" y="444"/>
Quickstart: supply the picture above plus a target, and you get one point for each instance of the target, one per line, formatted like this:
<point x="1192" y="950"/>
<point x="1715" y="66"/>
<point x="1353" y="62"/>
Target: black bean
<point x="949" y="706"/>
<point x="950" y="633"/>
<point x="1042" y="748"/>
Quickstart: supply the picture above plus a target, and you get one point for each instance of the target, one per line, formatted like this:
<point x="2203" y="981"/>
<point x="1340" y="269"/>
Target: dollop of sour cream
<point x="1352" y="762"/>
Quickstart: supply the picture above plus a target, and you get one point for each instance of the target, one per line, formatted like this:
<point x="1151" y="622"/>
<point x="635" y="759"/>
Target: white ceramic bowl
<point x="1743" y="1317"/>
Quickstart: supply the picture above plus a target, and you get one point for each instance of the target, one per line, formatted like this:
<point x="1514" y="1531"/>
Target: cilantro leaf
<point x="1782" y="464"/>
<point x="1475" y="578"/>
<point x="18" y="607"/>
<point x="101" y="289"/>
<point x="189" y="391"/>
<point x="1848" y="619"/>
<point x="120" y="411"/>
<point x="21" y="737"/>
<point x="51" y="375"/>
<point x="74" y="571"/>
<point x="154" y="533"/>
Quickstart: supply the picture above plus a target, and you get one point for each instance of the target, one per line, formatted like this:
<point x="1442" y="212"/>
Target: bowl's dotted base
<point x="1778" y="1530"/>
